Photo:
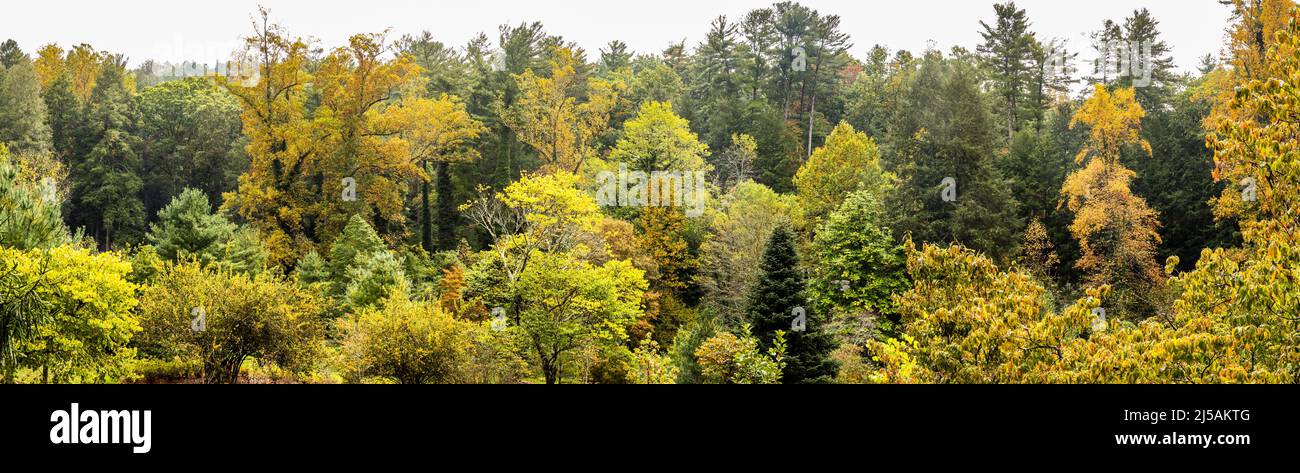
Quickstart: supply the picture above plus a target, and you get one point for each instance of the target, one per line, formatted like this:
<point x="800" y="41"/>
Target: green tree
<point x="942" y="147"/>
<point x="29" y="212"/>
<point x="859" y="266"/>
<point x="357" y="244"/>
<point x="777" y="300"/>
<point x="409" y="342"/>
<point x="222" y="318"/>
<point x="659" y="140"/>
<point x="190" y="137"/>
<point x="188" y="230"/>
<point x="1008" y="51"/>
<point x="11" y="54"/>
<point x="106" y="181"/>
<point x="23" y="124"/>
<point x="848" y="162"/>
<point x="66" y="314"/>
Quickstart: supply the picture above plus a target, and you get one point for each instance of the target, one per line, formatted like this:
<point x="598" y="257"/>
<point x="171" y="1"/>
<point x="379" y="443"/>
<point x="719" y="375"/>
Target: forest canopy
<point x="779" y="203"/>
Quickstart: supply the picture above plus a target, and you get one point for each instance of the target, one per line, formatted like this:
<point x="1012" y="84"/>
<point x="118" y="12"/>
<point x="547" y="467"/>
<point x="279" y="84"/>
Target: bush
<point x="728" y="359"/>
<point x="263" y="316"/>
<point x="408" y="342"/>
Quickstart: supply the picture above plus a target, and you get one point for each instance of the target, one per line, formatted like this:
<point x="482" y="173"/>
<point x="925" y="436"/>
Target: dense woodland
<point x="400" y="210"/>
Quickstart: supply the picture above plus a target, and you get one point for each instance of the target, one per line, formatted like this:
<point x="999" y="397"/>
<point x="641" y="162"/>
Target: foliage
<point x="775" y="303"/>
<point x="729" y="359"/>
<point x="188" y="230"/>
<point x="263" y="317"/>
<point x="66" y="313"/>
<point x="1116" y="229"/>
<point x="859" y="266"/>
<point x="410" y="342"/>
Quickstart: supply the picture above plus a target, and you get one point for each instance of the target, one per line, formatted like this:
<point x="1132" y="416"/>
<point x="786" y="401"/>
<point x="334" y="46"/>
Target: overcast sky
<point x="176" y="30"/>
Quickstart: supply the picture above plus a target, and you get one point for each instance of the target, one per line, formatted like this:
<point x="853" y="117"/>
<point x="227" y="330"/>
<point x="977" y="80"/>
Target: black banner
<point x="281" y="424"/>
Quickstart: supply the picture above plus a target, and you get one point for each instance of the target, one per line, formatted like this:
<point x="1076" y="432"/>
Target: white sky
<point x="177" y="30"/>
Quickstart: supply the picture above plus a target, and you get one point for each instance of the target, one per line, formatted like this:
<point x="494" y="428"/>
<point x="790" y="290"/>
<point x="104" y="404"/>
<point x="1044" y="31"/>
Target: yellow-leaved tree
<point x="355" y="153"/>
<point x="547" y="115"/>
<point x="1116" y="229"/>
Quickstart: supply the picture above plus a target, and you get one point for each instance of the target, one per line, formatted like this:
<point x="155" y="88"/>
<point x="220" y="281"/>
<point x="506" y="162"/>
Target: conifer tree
<point x="776" y="301"/>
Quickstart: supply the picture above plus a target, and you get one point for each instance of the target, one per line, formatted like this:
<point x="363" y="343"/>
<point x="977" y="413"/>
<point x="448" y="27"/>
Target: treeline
<point x="403" y="210"/>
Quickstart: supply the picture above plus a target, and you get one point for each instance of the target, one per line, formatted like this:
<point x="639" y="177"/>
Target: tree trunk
<point x="811" y="113"/>
<point x="446" y="209"/>
<point x="426" y="214"/>
<point x="551" y="370"/>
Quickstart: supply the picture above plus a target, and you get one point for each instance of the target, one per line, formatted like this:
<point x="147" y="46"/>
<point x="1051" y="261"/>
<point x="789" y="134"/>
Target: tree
<point x="548" y="117"/>
<point x="29" y="215"/>
<point x="1008" y="50"/>
<point x="942" y="146"/>
<point x="11" y="54"/>
<point x="310" y="173"/>
<point x="736" y="162"/>
<point x="222" y="318"/>
<point x="377" y="279"/>
<point x="66" y="116"/>
<point x="536" y="271"/>
<point x="190" y="137"/>
<point x="563" y="304"/>
<point x="106" y="181"/>
<point x="1152" y="72"/>
<point x="777" y="300"/>
<point x="715" y="84"/>
<point x="442" y="135"/>
<point x="68" y="313"/>
<point x="966" y="321"/>
<point x="410" y="342"/>
<point x="1038" y="258"/>
<point x="859" y="266"/>
<point x="188" y="230"/>
<point x="737" y="236"/>
<point x="23" y="124"/>
<point x="84" y="67"/>
<point x="356" y="245"/>
<point x="848" y="162"/>
<point x="1116" y="230"/>
<point x="728" y="359"/>
<point x="659" y="140"/>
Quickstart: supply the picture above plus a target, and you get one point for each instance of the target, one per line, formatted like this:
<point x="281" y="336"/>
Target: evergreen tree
<point x="23" y="124"/>
<point x="187" y="229"/>
<point x="66" y="116"/>
<point x="1008" y="52"/>
<point x="28" y="219"/>
<point x="106" y="180"/>
<point x="943" y="152"/>
<point x="11" y="54"/>
<point x="357" y="244"/>
<point x="777" y="299"/>
<point x="1142" y="36"/>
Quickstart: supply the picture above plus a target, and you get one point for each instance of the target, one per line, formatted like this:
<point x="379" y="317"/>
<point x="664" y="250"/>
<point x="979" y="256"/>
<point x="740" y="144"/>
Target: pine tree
<point x="106" y="181"/>
<point x="777" y="300"/>
<point x="357" y="244"/>
<point x="27" y="219"/>
<point x="11" y="54"/>
<point x="23" y="124"/>
<point x="187" y="229"/>
<point x="1008" y="51"/>
<point x="947" y="142"/>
